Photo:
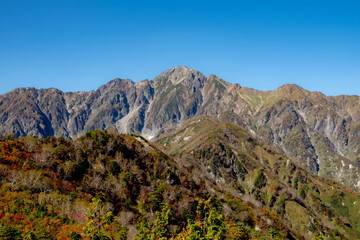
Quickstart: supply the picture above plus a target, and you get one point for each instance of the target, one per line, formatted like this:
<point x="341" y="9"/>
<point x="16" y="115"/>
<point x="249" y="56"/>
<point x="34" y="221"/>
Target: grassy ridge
<point x="258" y="173"/>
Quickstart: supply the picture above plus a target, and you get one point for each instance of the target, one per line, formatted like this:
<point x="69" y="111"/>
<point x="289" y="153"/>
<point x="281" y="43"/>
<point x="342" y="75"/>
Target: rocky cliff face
<point x="321" y="133"/>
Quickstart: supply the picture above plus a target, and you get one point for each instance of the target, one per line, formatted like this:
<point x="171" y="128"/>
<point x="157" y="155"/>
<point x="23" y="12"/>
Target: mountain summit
<point x="321" y="133"/>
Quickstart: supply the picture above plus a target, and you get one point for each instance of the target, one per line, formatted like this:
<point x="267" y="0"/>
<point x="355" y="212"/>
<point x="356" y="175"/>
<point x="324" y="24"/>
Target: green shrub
<point x="75" y="236"/>
<point x="156" y="197"/>
<point x="260" y="180"/>
<point x="10" y="233"/>
<point x="115" y="168"/>
<point x="302" y="193"/>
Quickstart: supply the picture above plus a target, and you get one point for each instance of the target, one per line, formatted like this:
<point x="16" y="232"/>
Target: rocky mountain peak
<point x="118" y="82"/>
<point x="180" y="68"/>
<point x="21" y="90"/>
<point x="292" y="91"/>
<point x="181" y="74"/>
<point x="292" y="88"/>
<point x="213" y="77"/>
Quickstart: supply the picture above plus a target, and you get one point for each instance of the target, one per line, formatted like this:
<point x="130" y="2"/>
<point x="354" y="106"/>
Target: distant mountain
<point x="321" y="133"/>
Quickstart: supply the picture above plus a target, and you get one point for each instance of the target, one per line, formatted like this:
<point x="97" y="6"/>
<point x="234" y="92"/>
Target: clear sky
<point x="81" y="44"/>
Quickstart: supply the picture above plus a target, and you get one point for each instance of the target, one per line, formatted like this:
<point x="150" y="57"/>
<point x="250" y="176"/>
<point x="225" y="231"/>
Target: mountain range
<point x="320" y="133"/>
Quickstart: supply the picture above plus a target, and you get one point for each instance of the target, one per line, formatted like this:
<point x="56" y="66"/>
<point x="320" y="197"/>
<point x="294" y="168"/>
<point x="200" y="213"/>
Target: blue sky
<point x="81" y="44"/>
